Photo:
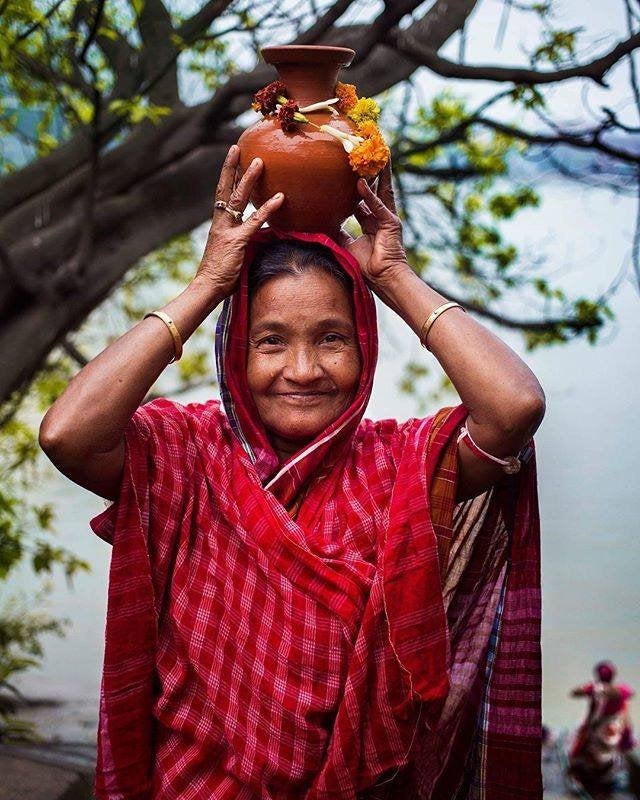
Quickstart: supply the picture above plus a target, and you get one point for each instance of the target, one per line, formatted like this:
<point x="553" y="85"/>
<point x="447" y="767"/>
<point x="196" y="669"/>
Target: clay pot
<point x="308" y="165"/>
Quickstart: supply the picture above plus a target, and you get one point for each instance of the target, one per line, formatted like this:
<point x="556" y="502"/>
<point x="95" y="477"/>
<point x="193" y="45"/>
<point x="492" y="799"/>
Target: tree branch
<point x="34" y="27"/>
<point x="532" y="325"/>
<point x="406" y="43"/>
<point x="589" y="140"/>
<point x="72" y="351"/>
<point x="202" y="19"/>
<point x="156" y="31"/>
<point x="123" y="59"/>
<point x="389" y="18"/>
<point x="324" y="23"/>
<point x="442" y="173"/>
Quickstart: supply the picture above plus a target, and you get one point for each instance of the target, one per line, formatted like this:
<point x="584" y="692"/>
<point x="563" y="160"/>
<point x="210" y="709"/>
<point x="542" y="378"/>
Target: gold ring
<point x="237" y="215"/>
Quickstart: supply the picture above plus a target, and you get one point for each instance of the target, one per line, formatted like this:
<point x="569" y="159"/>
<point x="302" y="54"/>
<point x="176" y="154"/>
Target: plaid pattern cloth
<point x="368" y="648"/>
<point x="248" y="654"/>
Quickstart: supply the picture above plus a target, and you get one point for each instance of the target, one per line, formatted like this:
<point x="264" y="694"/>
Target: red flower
<point x="266" y="99"/>
<point x="286" y="115"/>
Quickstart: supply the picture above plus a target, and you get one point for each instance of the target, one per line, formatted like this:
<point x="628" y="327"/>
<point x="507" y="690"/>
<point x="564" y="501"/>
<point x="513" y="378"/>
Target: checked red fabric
<point x="363" y="649"/>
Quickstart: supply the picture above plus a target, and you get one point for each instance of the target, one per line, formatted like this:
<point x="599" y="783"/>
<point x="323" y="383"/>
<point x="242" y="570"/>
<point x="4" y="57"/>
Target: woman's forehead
<point x="310" y="295"/>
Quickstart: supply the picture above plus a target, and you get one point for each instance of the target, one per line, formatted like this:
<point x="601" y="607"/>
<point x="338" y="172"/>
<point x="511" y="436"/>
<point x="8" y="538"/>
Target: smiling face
<point x="303" y="364"/>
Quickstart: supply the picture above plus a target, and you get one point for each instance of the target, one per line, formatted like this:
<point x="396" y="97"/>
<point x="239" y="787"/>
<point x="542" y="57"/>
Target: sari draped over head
<point x="383" y="641"/>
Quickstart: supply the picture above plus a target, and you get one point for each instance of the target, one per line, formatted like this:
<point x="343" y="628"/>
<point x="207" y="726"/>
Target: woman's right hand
<point x="227" y="239"/>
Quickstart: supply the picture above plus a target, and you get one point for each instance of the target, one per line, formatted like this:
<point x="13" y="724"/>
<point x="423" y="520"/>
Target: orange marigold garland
<point x="347" y="97"/>
<point x="366" y="149"/>
<point x="370" y="156"/>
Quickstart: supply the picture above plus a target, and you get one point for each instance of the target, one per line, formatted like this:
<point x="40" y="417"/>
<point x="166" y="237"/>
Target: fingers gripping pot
<point x="310" y="166"/>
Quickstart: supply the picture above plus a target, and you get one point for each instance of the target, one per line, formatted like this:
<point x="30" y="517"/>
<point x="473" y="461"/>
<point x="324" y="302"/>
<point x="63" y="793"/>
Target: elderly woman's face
<point x="303" y="365"/>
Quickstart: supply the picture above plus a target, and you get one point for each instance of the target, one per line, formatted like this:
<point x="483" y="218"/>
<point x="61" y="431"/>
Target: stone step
<point x="46" y="771"/>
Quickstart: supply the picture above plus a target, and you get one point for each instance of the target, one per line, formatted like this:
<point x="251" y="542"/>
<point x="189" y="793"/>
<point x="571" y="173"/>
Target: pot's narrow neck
<point x="309" y="83"/>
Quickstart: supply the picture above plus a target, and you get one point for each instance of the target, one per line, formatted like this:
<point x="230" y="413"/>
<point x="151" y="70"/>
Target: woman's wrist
<point x="192" y="306"/>
<point x="209" y="291"/>
<point x="408" y="295"/>
<point x="389" y="278"/>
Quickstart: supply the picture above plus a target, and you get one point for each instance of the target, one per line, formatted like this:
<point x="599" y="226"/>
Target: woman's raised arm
<point x="502" y="395"/>
<point x="83" y="431"/>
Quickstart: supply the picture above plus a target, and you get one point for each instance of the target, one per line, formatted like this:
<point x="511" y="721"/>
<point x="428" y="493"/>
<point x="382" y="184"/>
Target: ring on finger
<point x="237" y="215"/>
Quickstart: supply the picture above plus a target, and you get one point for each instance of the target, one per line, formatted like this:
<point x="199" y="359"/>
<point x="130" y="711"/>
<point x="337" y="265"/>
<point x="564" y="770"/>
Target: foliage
<point x="21" y="630"/>
<point x="460" y="193"/>
<point x="25" y="533"/>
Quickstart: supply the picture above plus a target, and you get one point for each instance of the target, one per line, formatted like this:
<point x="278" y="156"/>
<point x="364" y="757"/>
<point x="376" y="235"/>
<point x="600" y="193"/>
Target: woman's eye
<point x="273" y="340"/>
<point x="332" y="338"/>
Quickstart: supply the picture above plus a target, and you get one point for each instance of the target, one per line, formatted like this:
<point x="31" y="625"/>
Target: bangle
<point x="510" y="465"/>
<point x="433" y="316"/>
<point x="175" y="334"/>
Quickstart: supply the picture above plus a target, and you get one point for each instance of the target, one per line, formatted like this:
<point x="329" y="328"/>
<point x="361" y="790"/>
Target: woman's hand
<point x="224" y="251"/>
<point x="379" y="250"/>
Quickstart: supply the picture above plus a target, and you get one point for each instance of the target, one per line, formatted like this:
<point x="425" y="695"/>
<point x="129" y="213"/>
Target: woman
<point x="606" y="733"/>
<point x="295" y="598"/>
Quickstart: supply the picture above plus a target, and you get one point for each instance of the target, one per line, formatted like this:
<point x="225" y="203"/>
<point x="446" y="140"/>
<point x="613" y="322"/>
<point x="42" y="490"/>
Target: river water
<point x="588" y="461"/>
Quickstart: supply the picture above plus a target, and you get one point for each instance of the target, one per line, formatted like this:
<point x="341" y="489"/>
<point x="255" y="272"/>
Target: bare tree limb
<point x="71" y="350"/>
<point x="325" y="22"/>
<point x="34" y="27"/>
<point x="387" y="20"/>
<point x="76" y="266"/>
<point x="202" y="19"/>
<point x="406" y="43"/>
<point x="156" y="30"/>
<point x="588" y="140"/>
<point x="123" y="59"/>
<point x="532" y="325"/>
<point x="444" y="173"/>
<point x="95" y="23"/>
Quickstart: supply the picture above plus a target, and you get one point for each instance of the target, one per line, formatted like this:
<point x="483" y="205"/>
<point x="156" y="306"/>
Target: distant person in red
<point x="606" y="732"/>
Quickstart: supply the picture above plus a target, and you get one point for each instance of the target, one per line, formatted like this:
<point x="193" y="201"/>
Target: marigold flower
<point x="289" y="116"/>
<point x="370" y="156"/>
<point x="347" y="96"/>
<point x="266" y="99"/>
<point x="364" y="110"/>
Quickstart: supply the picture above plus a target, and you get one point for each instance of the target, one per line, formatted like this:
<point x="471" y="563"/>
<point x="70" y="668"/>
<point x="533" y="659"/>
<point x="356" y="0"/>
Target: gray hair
<point x="294" y="258"/>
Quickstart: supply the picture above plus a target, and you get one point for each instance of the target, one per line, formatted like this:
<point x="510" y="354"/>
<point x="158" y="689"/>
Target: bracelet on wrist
<point x="173" y="330"/>
<point x="433" y="316"/>
<point x="511" y="464"/>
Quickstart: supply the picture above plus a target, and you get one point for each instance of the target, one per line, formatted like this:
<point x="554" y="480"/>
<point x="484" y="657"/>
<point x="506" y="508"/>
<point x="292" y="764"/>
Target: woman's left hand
<point x="379" y="250"/>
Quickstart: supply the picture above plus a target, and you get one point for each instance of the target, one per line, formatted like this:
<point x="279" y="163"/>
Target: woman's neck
<point x="285" y="448"/>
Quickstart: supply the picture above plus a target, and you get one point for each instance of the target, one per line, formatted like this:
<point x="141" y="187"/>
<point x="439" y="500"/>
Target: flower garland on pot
<point x="367" y="150"/>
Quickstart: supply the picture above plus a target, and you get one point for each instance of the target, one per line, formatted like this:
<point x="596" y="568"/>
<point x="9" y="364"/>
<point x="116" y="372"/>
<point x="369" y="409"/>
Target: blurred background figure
<point x="595" y="757"/>
<point x="549" y="743"/>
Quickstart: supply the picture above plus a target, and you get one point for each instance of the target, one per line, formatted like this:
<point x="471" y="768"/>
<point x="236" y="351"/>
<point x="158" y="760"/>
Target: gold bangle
<point x="433" y="316"/>
<point x="175" y="333"/>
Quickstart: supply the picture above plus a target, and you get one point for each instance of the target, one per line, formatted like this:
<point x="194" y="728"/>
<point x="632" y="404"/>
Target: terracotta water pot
<point x="311" y="167"/>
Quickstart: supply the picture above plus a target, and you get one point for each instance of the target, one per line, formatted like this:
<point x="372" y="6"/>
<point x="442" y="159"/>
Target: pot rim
<point x="307" y="54"/>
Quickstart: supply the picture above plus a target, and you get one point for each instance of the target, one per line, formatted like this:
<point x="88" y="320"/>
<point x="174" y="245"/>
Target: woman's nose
<point x="302" y="365"/>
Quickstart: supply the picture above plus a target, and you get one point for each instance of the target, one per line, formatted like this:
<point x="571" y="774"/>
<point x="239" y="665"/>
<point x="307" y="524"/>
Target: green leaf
<point x="108" y="33"/>
<point x="138" y="6"/>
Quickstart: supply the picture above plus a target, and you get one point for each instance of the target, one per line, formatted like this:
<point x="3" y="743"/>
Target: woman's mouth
<point x="302" y="397"/>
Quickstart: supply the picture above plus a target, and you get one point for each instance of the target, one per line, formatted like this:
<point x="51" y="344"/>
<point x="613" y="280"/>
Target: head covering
<point x="286" y="480"/>
<point x="605" y="671"/>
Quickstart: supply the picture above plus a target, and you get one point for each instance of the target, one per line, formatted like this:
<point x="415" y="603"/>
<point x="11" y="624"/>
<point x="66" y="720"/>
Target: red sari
<point x="384" y="643"/>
